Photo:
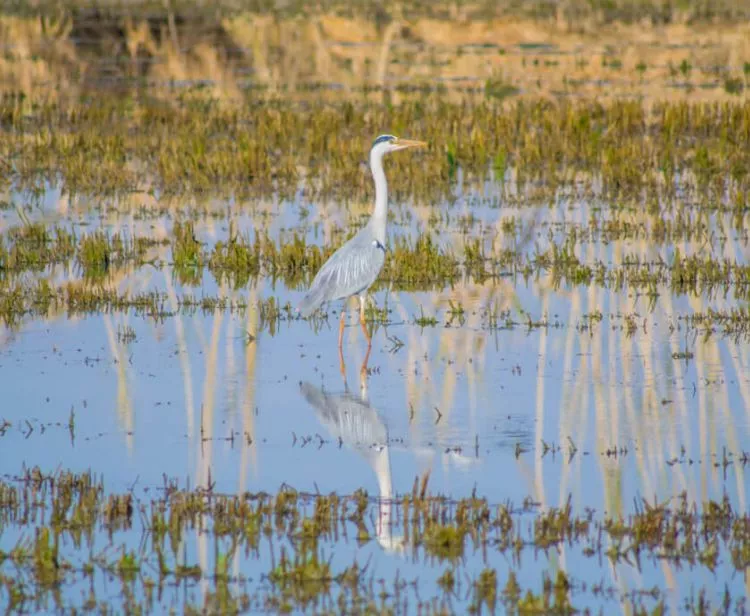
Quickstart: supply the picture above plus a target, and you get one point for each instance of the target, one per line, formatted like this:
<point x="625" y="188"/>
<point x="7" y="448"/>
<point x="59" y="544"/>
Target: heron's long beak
<point x="409" y="143"/>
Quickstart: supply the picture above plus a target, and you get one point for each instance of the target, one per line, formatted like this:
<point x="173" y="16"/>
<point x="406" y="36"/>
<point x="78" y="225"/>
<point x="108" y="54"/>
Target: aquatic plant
<point x="437" y="527"/>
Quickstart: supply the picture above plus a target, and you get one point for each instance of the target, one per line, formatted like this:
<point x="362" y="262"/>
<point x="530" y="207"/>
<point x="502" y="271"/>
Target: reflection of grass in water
<point x="656" y="456"/>
<point x="187" y="255"/>
<point x="708" y="535"/>
<point x="661" y="170"/>
<point x="422" y="265"/>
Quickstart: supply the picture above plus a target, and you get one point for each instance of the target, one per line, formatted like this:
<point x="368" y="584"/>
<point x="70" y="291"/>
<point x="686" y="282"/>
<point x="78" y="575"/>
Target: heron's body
<point x="351" y="270"/>
<point x="354" y="267"/>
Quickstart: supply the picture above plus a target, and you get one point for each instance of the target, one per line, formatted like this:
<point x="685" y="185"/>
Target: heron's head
<point x="389" y="143"/>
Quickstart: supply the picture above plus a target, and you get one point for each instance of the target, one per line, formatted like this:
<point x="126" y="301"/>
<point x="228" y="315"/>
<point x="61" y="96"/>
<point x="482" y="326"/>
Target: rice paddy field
<point x="554" y="416"/>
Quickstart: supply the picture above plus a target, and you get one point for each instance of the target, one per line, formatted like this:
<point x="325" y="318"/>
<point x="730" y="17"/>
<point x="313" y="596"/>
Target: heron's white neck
<point x="380" y="214"/>
<point x="382" y="467"/>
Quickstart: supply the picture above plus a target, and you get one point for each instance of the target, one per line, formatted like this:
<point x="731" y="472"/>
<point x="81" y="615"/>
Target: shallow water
<point x="545" y="406"/>
<point x="529" y="389"/>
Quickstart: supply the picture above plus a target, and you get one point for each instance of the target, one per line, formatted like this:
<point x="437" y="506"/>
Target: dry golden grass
<point x="676" y="61"/>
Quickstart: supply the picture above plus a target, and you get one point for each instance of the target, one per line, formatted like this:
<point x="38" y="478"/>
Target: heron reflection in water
<point x="350" y="418"/>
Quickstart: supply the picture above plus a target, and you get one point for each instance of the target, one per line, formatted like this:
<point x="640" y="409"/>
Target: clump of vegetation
<point x="623" y="149"/>
<point x="62" y="544"/>
<point x="654" y="174"/>
<point x="444" y="542"/>
<point x="187" y="253"/>
<point x="413" y="266"/>
<point x="303" y="579"/>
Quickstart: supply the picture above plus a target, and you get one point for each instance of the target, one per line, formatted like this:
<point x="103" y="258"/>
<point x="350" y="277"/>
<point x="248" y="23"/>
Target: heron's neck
<point x="382" y="468"/>
<point x="380" y="215"/>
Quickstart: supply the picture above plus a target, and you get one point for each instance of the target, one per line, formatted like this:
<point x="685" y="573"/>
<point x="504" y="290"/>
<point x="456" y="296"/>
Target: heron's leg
<point x="363" y="369"/>
<point x="341" y="326"/>
<point x="363" y="381"/>
<point x="362" y="301"/>
<point x="342" y="321"/>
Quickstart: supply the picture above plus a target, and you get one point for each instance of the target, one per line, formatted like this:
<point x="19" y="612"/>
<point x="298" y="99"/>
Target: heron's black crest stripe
<point x="382" y="139"/>
<point x="377" y="244"/>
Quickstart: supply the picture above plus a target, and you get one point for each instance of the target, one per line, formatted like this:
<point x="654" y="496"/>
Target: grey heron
<point x="353" y="268"/>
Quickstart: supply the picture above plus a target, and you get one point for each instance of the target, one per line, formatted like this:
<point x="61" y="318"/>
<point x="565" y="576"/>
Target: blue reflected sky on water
<point x="458" y="401"/>
<point x="138" y="410"/>
<point x="621" y="415"/>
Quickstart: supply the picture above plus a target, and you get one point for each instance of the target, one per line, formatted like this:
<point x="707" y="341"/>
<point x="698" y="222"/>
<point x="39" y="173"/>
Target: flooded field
<point x="554" y="415"/>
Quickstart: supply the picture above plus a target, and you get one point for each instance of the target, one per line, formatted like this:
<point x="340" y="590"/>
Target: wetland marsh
<point x="555" y="412"/>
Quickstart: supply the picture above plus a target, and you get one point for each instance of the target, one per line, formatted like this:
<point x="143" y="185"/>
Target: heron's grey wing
<point x="350" y="270"/>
